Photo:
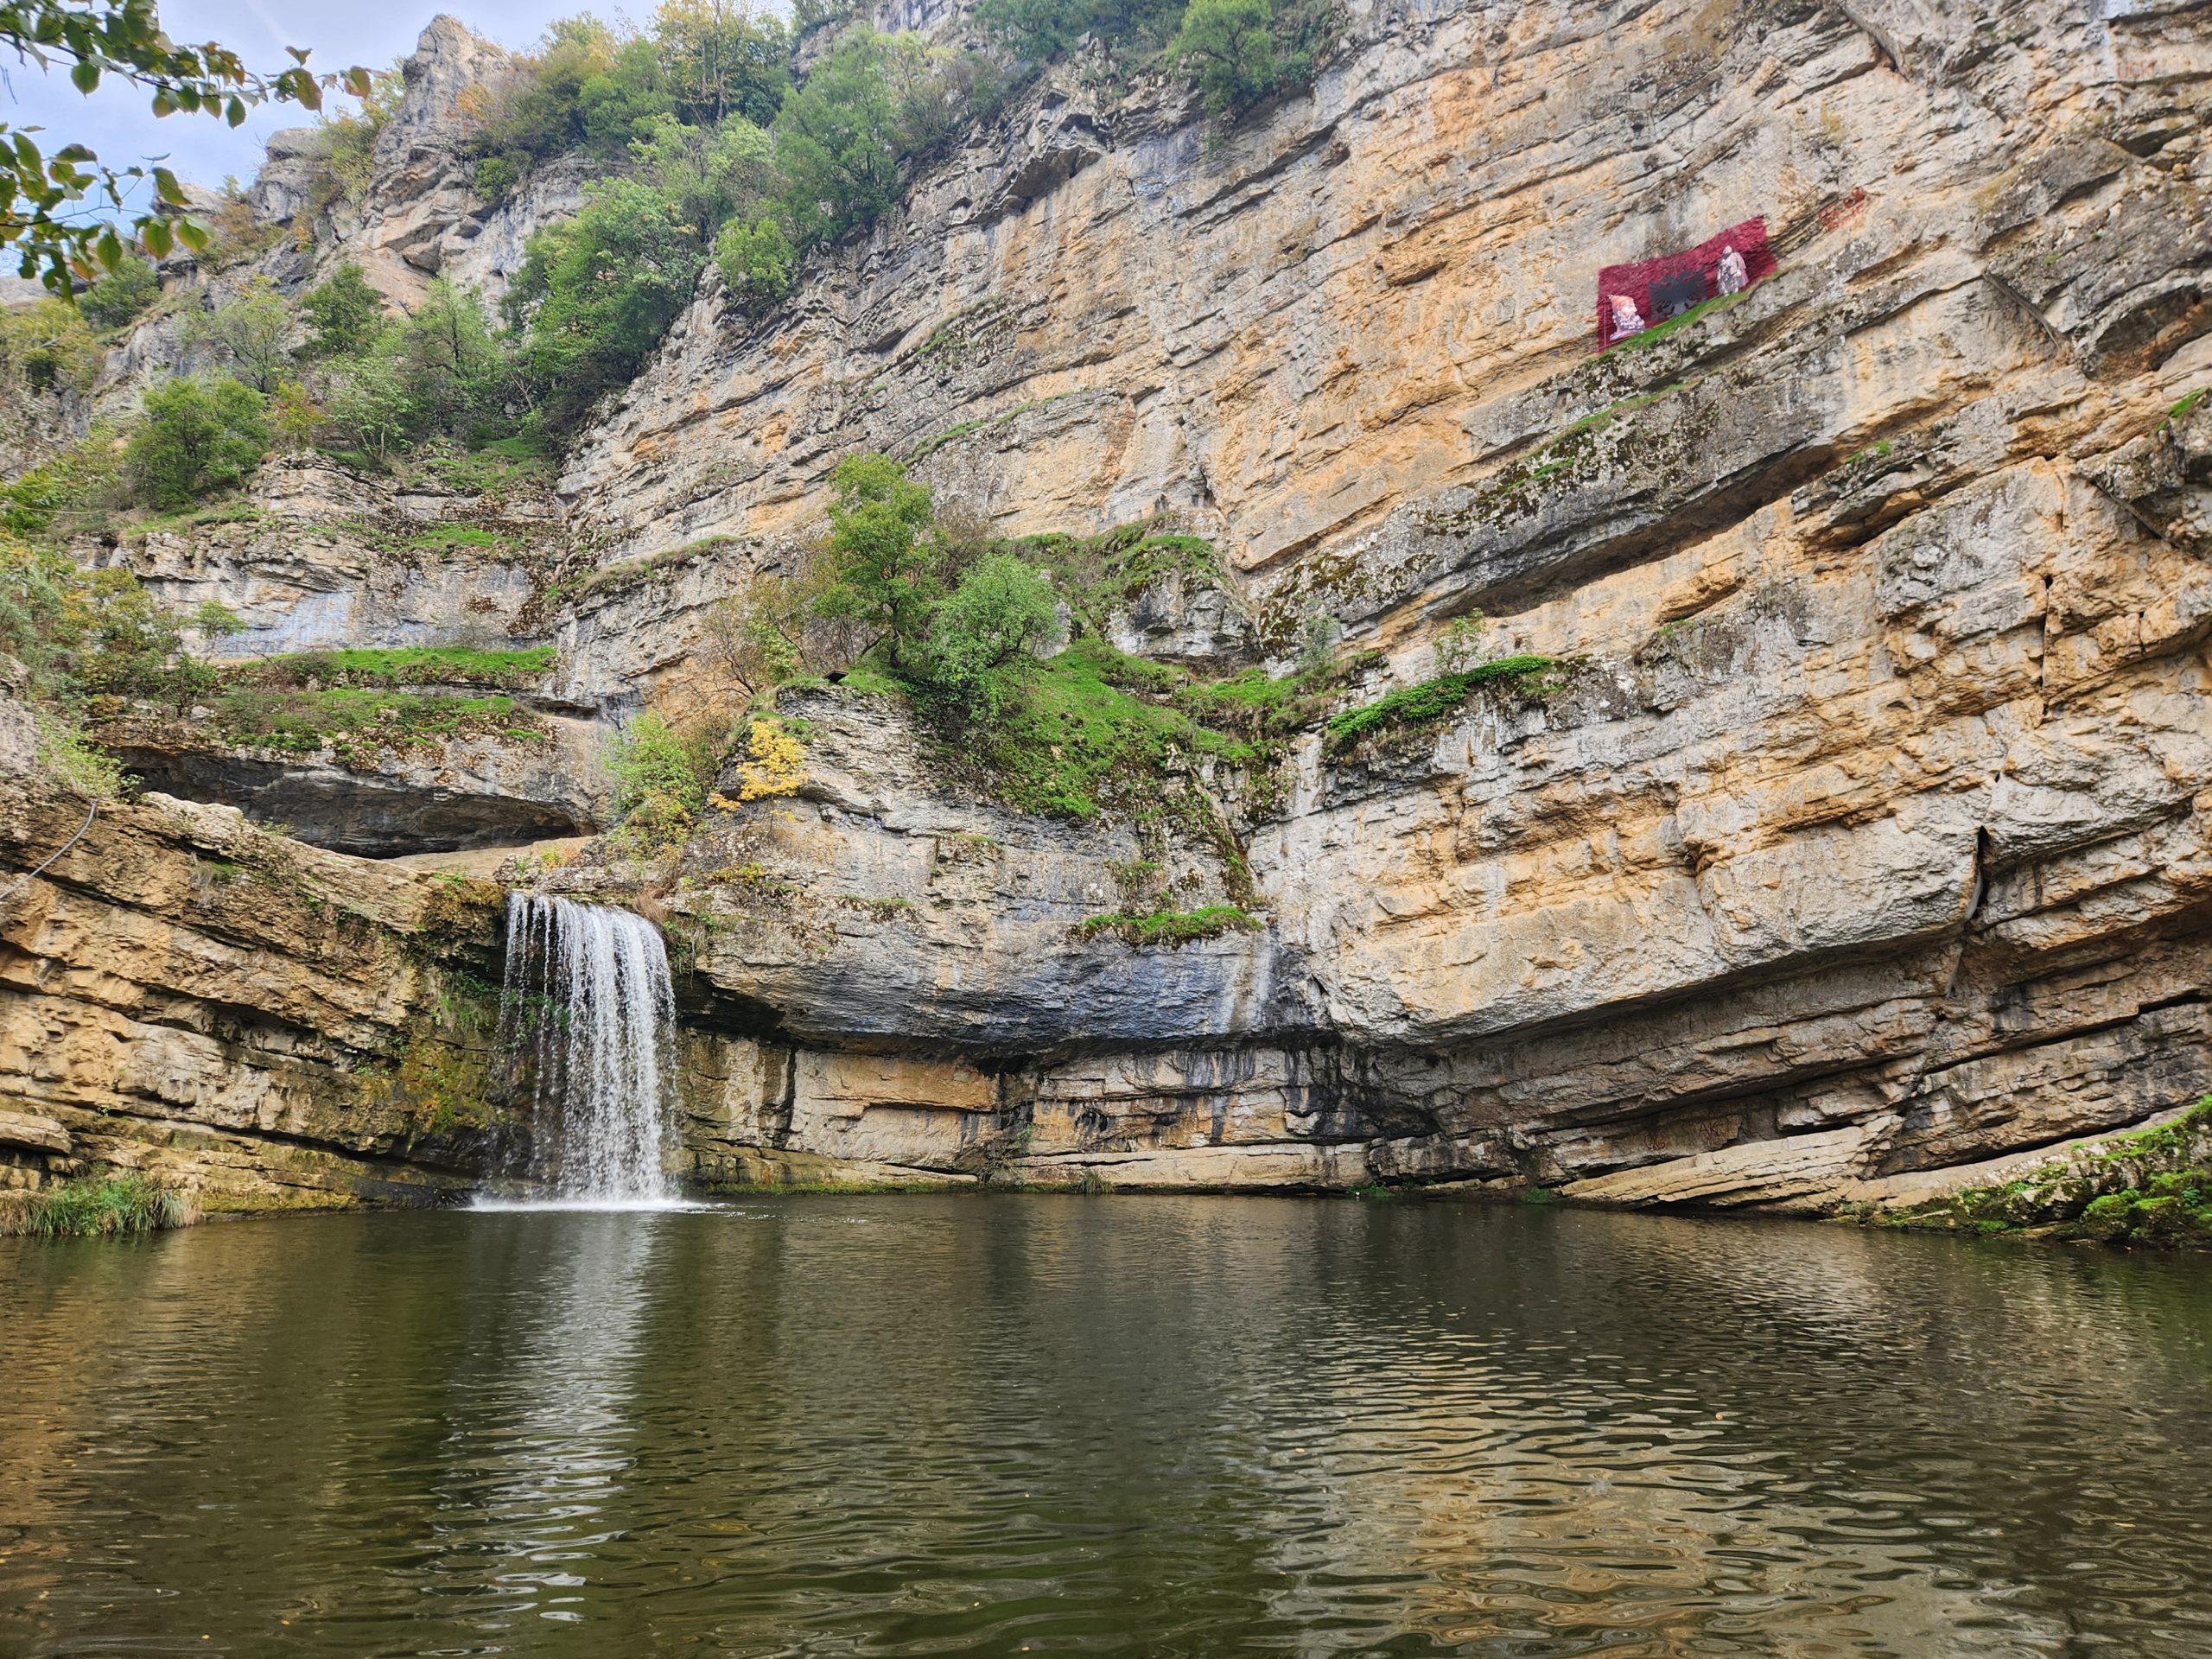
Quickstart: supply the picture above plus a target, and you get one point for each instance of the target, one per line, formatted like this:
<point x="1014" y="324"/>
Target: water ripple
<point x="1006" y="1423"/>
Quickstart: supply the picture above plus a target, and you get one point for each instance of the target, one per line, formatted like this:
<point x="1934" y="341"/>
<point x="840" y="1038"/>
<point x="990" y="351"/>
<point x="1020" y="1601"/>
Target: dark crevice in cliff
<point x="369" y="816"/>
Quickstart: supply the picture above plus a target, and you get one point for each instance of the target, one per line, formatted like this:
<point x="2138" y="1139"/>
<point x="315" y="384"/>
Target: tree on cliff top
<point x="52" y="207"/>
<point x="1229" y="47"/>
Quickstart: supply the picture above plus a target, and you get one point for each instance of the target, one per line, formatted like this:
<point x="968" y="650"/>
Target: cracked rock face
<point x="1865" y="840"/>
<point x="263" y="1023"/>
<point x="1868" y="835"/>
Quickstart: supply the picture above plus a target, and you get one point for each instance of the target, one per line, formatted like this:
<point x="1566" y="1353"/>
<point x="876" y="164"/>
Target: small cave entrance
<point x="368" y="815"/>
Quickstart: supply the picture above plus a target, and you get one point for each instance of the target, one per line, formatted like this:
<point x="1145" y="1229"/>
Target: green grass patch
<point x="1172" y="928"/>
<point x="1096" y="573"/>
<point x="1416" y="708"/>
<point x="931" y="445"/>
<point x="1660" y="330"/>
<point x="1094" y="724"/>
<point x="406" y="666"/>
<point x="2188" y="403"/>
<point x="361" y="725"/>
<point x="630" y="573"/>
<point x="462" y="538"/>
<point x="496" y="468"/>
<point x="118" y="1204"/>
<point x="1599" y="420"/>
<point x="184" y="519"/>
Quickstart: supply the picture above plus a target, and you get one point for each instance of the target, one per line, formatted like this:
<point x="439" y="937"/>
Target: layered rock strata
<point x="1863" y="835"/>
<point x="267" y="1025"/>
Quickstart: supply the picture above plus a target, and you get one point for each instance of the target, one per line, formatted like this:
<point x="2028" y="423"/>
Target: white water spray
<point x="587" y="999"/>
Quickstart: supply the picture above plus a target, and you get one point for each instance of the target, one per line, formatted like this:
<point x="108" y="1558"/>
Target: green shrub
<point x="200" y="434"/>
<point x="345" y="315"/>
<point x="1458" y="647"/>
<point x="1414" y="708"/>
<point x="718" y="61"/>
<point x="959" y="622"/>
<point x="1228" y="46"/>
<point x="341" y="155"/>
<point x="1043" y="29"/>
<point x="837" y="137"/>
<point x="662" y="777"/>
<point x="47" y="347"/>
<point x="497" y="177"/>
<point x="585" y="87"/>
<point x="1172" y="928"/>
<point x="75" y="762"/>
<point x="598" y="292"/>
<point x="117" y="1204"/>
<point x="67" y="492"/>
<point x="984" y="634"/>
<point x="249" y="334"/>
<point x="439" y="372"/>
<point x="886" y="557"/>
<point x="758" y="262"/>
<point x="809" y="16"/>
<point x="121" y="298"/>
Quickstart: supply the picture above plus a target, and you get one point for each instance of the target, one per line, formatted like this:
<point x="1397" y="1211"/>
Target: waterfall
<point x="589" y="1003"/>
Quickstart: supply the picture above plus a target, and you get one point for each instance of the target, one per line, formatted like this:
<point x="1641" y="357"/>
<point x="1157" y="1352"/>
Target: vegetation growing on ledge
<point x="1096" y="726"/>
<point x="361" y="726"/>
<point x="663" y="776"/>
<point x="1237" y="52"/>
<point x="1417" y="708"/>
<point x="1172" y="928"/>
<point x="125" y="1203"/>
<point x="1660" y="330"/>
<point x="1098" y="573"/>
<point x="405" y="666"/>
<point x="2154" y="1187"/>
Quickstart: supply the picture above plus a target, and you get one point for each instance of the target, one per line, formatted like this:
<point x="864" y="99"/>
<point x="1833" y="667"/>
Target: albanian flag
<point x="1633" y="297"/>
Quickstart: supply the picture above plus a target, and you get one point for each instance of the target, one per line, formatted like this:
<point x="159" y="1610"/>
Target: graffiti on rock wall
<point x="1638" y="295"/>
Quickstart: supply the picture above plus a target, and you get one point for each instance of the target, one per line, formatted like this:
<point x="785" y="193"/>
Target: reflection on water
<point x="1006" y="1423"/>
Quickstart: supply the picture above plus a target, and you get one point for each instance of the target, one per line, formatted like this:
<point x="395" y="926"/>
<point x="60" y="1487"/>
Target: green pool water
<point x="1015" y="1423"/>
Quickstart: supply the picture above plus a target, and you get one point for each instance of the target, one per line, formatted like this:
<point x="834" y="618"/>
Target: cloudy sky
<point x="117" y="123"/>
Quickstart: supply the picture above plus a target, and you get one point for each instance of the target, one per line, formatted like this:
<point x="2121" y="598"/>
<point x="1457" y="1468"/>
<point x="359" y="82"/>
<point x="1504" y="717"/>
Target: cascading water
<point x="589" y="1003"/>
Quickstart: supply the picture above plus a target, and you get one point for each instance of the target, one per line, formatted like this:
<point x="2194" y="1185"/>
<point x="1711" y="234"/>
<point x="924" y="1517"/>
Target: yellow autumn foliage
<point x="775" y="764"/>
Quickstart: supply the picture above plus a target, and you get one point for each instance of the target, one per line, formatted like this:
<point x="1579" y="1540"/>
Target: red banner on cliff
<point x="1633" y="297"/>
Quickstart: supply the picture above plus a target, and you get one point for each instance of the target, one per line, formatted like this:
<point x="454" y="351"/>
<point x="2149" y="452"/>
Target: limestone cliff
<point x="1868" y="831"/>
<point x="269" y="1024"/>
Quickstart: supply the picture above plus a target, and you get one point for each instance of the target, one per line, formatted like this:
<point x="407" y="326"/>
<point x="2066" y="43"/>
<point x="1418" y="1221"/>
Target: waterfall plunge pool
<point x="1032" y="1423"/>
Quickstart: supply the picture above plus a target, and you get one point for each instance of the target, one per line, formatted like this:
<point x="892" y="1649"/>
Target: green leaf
<point x="235" y="114"/>
<point x="166" y="188"/>
<point x="193" y="234"/>
<point x="85" y="74"/>
<point x="157" y="237"/>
